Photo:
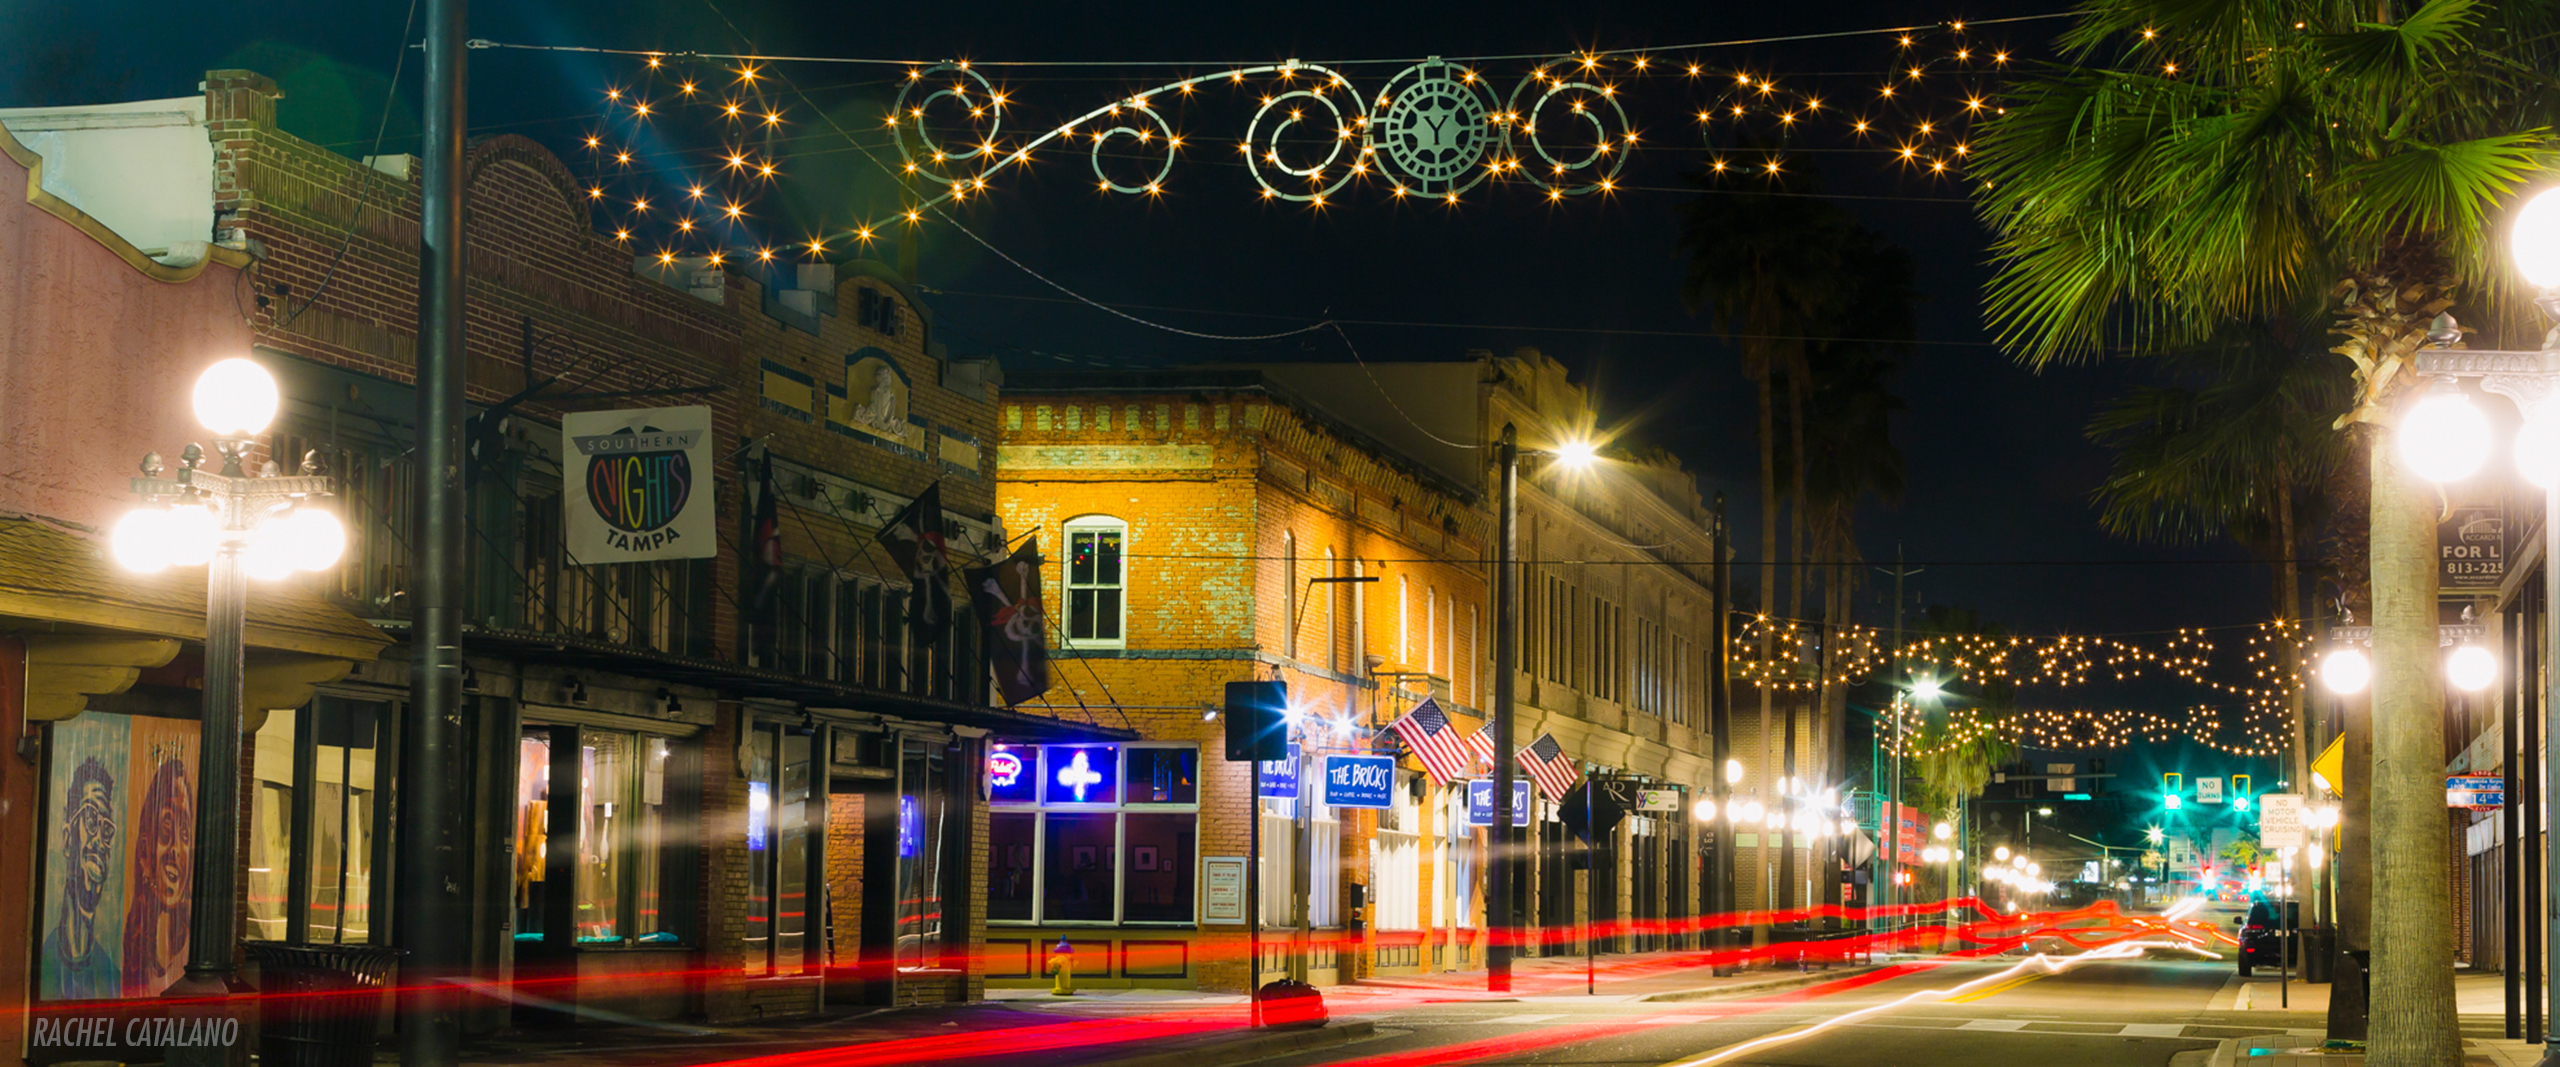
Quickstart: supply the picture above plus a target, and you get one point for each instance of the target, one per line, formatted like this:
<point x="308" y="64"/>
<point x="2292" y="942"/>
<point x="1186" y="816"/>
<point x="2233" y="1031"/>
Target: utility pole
<point x="1503" y="858"/>
<point x="1719" y="871"/>
<point x="1901" y="686"/>
<point x="433" y="913"/>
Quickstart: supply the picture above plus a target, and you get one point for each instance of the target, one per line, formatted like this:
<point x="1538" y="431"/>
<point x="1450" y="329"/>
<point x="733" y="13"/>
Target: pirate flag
<point x="914" y="538"/>
<point x="1007" y="596"/>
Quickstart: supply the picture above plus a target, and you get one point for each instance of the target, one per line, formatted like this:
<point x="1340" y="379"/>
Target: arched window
<point x="1097" y="581"/>
<point x="1289" y="594"/>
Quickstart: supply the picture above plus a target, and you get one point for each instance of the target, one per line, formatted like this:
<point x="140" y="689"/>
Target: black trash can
<point x="320" y="1005"/>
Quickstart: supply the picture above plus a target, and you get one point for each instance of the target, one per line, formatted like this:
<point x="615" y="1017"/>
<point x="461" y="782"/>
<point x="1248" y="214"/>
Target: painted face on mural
<point x="88" y="835"/>
<point x="172" y="835"/>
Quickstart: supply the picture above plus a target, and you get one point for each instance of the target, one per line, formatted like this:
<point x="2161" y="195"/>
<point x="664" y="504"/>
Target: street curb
<point x="1257" y="1047"/>
<point x="1728" y="992"/>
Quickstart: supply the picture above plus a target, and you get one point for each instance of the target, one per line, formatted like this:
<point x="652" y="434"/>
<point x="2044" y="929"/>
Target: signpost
<point x="2280" y="821"/>
<point x="2477" y="792"/>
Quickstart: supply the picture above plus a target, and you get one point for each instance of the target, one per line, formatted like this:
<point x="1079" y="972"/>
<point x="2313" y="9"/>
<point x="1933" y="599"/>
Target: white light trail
<point x="2048" y="964"/>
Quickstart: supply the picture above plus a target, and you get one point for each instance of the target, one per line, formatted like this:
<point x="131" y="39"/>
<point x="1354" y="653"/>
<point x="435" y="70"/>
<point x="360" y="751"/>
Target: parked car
<point x="2269" y="928"/>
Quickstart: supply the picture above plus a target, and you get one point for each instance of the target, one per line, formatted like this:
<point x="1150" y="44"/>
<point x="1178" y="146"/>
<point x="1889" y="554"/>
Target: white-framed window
<point x="1093" y="834"/>
<point x="1475" y="656"/>
<point x="1324" y="866"/>
<point x="1332" y="648"/>
<point x="1097" y="581"/>
<point x="1679" y="680"/>
<point x="1279" y="862"/>
<point x="1404" y="619"/>
<point x="1608" y="668"/>
<point x="1289" y="593"/>
<point x="1431" y="629"/>
<point x="1359" y="615"/>
<point x="1395" y="878"/>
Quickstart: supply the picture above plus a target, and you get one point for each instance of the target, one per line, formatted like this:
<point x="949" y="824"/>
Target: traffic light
<point x="2170" y="783"/>
<point x="2239" y="792"/>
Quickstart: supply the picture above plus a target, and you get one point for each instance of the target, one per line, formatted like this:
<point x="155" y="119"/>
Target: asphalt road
<point x="2132" y="1012"/>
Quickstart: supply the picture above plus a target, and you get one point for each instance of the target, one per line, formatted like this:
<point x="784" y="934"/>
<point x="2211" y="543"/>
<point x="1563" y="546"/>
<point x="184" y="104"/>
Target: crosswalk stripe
<point x="1995" y="1024"/>
<point x="2153" y="1030"/>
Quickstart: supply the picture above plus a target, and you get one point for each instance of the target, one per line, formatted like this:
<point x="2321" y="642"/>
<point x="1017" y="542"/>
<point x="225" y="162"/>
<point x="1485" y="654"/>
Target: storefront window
<point x="1113" y="836"/>
<point x="618" y="847"/>
<point x="923" y="830"/>
<point x="1324" y="864"/>
<point x="316" y="831"/>
<point x="1395" y="889"/>
<point x="778" y="846"/>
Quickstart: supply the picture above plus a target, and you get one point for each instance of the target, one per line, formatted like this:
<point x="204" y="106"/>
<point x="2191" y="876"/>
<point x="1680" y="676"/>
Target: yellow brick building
<point x="1187" y="517"/>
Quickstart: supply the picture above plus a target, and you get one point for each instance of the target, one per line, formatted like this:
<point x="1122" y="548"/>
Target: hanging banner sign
<point x="1280" y="776"/>
<point x="1360" y="781"/>
<point x="637" y="485"/>
<point x="1480" y="802"/>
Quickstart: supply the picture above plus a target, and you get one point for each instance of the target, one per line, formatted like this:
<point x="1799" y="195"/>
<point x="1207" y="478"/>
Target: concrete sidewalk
<point x="2474" y="993"/>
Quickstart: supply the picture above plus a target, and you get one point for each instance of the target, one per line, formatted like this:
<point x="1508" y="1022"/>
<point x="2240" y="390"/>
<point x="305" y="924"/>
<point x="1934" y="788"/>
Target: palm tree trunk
<point x="2289" y="612"/>
<point x="2413" y="1023"/>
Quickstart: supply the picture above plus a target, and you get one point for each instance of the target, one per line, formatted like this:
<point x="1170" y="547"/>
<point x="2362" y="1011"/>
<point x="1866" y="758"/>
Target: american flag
<point x="1545" y="761"/>
<point x="1434" y="739"/>
<point x="1480" y="745"/>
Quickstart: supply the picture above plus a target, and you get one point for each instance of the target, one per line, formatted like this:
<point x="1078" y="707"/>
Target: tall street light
<point x="1574" y="455"/>
<point x="2444" y="438"/>
<point x="238" y="526"/>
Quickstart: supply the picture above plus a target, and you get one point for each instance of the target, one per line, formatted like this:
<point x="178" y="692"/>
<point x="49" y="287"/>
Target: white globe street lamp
<point x="2346" y="672"/>
<point x="2443" y="438"/>
<point x="2471" y="668"/>
<point x="237" y="525"/>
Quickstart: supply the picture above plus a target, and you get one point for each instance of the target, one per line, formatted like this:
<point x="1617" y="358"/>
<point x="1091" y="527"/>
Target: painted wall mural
<point x="119" y="857"/>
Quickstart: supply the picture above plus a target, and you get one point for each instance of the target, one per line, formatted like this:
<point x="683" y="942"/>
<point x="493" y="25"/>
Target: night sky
<point x="1999" y="475"/>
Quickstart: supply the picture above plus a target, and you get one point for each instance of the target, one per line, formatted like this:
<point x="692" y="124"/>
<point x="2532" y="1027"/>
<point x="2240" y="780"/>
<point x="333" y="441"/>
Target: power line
<point x="1595" y="53"/>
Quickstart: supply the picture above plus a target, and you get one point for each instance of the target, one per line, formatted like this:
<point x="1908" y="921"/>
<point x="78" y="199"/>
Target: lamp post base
<point x="211" y="1006"/>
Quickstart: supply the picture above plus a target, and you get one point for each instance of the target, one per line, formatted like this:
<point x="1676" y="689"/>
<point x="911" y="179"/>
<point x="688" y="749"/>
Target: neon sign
<point x="1078" y="774"/>
<point x="1004" y="769"/>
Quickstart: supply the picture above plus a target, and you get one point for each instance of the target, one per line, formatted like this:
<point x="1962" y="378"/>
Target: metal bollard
<point x="1062" y="969"/>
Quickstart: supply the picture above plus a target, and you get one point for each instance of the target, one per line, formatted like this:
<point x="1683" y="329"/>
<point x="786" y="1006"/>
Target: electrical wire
<point x="366" y="181"/>
<point x="1594" y="53"/>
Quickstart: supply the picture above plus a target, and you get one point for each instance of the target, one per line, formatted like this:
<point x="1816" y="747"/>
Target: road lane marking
<point x="1522" y="1020"/>
<point x="2153" y="1030"/>
<point x="2047" y="964"/>
<point x="1986" y="994"/>
<point x="1994" y="1024"/>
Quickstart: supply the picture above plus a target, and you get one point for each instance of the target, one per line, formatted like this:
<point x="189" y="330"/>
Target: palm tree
<point x="1762" y="262"/>
<point x="2238" y="447"/>
<point x="2212" y="161"/>
<point x="1812" y="299"/>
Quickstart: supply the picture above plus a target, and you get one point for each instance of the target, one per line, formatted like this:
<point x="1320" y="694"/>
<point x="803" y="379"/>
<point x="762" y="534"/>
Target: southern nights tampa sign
<point x="638" y="484"/>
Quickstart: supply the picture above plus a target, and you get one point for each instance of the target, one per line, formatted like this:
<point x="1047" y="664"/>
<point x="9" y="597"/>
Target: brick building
<point x="1616" y="620"/>
<point x="774" y="780"/>
<point x="1215" y="526"/>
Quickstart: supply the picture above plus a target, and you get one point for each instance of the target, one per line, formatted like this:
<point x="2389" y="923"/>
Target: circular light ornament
<point x="1732" y="771"/>
<point x="236" y="398"/>
<point x="2444" y="438"/>
<point x="139" y="541"/>
<point x="1925" y="689"/>
<point x="317" y="537"/>
<point x="2535" y="239"/>
<point x="2000" y="853"/>
<point x="268" y="555"/>
<point x="1942" y="831"/>
<point x="2346" y="672"/>
<point x="1704" y="810"/>
<point x="192" y="535"/>
<point x="1751" y="811"/>
<point x="2471" y="668"/>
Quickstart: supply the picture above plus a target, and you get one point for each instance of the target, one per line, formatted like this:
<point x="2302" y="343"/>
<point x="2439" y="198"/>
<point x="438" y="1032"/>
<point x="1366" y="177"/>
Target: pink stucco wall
<point x="96" y="361"/>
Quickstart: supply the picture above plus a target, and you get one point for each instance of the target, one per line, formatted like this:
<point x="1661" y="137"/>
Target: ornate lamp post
<point x="239" y="526"/>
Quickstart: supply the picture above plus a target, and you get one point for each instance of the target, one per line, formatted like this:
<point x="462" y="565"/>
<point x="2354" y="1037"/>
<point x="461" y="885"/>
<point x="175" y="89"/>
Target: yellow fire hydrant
<point x="1062" y="969"/>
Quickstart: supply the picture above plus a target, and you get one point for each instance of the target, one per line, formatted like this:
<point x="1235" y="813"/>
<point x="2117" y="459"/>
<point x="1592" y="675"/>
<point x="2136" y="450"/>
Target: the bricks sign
<point x="1359" y="781"/>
